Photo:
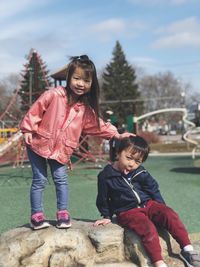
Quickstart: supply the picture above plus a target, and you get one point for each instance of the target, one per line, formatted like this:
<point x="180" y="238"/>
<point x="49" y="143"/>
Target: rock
<point x="82" y="245"/>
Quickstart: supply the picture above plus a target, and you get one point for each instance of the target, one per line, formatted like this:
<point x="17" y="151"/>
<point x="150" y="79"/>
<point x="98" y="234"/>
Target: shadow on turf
<point x="192" y="170"/>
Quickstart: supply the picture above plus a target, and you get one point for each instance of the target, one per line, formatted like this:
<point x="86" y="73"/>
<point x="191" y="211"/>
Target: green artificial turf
<point x="178" y="176"/>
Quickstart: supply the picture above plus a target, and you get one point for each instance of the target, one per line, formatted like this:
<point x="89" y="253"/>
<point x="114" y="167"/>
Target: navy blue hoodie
<point x="116" y="193"/>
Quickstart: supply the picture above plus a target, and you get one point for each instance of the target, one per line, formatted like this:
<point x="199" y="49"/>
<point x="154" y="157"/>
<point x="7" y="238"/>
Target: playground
<point x="178" y="177"/>
<point x="178" y="174"/>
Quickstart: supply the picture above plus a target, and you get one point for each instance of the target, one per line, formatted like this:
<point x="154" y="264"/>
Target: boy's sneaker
<point x="38" y="221"/>
<point x="63" y="219"/>
<point x="191" y="258"/>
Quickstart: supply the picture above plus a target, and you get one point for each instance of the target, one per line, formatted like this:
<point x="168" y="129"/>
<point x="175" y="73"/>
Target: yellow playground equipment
<point x="6" y="133"/>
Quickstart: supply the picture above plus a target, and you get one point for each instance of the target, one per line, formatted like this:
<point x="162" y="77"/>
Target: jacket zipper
<point x="132" y="188"/>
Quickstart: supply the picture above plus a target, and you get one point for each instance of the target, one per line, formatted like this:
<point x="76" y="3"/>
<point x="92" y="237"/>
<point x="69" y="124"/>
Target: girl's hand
<point x="126" y="134"/>
<point x="28" y="138"/>
<point x="69" y="165"/>
<point x="102" y="222"/>
<point x="123" y="135"/>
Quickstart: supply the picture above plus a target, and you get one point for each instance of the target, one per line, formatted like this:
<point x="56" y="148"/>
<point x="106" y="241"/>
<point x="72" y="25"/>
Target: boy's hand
<point x="102" y="222"/>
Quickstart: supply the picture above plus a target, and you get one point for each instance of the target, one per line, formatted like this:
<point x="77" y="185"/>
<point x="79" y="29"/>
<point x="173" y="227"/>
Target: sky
<point x="155" y="35"/>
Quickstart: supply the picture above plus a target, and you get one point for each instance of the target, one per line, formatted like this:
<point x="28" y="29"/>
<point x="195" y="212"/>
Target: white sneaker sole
<point x="63" y="226"/>
<point x="42" y="226"/>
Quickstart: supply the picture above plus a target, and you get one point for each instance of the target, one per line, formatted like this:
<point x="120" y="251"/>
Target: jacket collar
<point x="111" y="172"/>
<point x="62" y="92"/>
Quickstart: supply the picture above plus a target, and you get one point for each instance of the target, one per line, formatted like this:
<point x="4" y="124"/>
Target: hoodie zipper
<point x="132" y="188"/>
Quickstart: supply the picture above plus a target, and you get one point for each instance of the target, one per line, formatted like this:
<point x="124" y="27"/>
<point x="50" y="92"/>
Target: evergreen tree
<point x="119" y="85"/>
<point x="35" y="80"/>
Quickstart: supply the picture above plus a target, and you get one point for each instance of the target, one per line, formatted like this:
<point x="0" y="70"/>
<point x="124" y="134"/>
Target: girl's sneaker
<point x="38" y="221"/>
<point x="63" y="219"/>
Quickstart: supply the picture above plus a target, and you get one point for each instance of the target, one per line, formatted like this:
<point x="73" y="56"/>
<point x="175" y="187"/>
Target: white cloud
<point x="10" y="8"/>
<point x="13" y="7"/>
<point x="179" y="34"/>
<point x="161" y="2"/>
<point x="188" y="24"/>
<point x="110" y="25"/>
<point x="178" y="40"/>
<point x="21" y="28"/>
<point x="143" y="60"/>
<point x="108" y="29"/>
<point x="116" y="28"/>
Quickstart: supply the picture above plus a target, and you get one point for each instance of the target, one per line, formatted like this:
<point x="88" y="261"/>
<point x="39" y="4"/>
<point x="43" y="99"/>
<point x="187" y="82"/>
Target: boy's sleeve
<point x="102" y="202"/>
<point x="150" y="185"/>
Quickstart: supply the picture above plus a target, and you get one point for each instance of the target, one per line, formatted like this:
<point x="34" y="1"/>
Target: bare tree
<point x="193" y="98"/>
<point x="162" y="90"/>
<point x="8" y="85"/>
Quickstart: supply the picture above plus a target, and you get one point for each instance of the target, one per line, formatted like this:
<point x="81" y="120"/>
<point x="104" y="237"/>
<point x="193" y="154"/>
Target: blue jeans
<point x="39" y="181"/>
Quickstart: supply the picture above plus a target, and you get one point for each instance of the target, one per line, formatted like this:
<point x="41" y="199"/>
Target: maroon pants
<point x="144" y="221"/>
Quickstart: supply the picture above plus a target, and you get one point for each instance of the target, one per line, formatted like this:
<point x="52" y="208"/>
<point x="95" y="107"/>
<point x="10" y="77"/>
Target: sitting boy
<point x="126" y="189"/>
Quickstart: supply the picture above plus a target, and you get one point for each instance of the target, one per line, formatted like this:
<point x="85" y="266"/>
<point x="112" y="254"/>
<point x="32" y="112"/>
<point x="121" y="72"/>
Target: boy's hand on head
<point x="102" y="222"/>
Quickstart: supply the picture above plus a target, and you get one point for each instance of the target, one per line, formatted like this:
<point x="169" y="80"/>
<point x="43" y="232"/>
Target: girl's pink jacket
<point x="56" y="127"/>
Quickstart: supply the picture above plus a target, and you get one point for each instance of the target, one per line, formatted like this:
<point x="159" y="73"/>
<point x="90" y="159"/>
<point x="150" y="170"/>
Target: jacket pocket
<point x="67" y="148"/>
<point x="41" y="143"/>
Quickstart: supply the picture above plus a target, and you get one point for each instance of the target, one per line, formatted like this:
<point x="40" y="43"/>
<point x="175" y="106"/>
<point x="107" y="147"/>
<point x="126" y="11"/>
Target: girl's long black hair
<point x="92" y="97"/>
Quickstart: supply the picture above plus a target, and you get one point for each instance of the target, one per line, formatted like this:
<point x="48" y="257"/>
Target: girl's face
<point x="80" y="84"/>
<point x="127" y="161"/>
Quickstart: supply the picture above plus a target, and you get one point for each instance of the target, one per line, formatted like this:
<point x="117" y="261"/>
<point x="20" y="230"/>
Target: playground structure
<point x="91" y="148"/>
<point x="6" y="133"/>
<point x="195" y="131"/>
<point x="191" y="133"/>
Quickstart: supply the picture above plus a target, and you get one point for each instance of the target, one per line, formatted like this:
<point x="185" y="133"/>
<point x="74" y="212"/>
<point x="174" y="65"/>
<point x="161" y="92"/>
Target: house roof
<point x="60" y="74"/>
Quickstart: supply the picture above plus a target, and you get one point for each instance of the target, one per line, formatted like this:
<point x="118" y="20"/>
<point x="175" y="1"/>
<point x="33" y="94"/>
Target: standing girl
<point x="52" y="128"/>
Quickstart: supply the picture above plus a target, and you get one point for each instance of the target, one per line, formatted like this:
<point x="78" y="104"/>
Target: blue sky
<point x="156" y="35"/>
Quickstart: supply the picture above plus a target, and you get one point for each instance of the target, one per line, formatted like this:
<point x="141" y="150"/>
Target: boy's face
<point x="127" y="161"/>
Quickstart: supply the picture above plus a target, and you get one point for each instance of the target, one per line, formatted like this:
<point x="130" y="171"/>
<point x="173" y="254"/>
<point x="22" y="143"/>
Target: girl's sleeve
<point x="105" y="129"/>
<point x="35" y="113"/>
<point x="102" y="197"/>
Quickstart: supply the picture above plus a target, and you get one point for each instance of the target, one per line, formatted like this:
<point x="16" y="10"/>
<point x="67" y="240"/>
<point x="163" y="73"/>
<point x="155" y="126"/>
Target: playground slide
<point x="192" y="136"/>
<point x="4" y="147"/>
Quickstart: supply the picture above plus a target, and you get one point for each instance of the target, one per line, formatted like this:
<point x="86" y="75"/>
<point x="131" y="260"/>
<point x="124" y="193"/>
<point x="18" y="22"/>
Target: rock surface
<point x="83" y="245"/>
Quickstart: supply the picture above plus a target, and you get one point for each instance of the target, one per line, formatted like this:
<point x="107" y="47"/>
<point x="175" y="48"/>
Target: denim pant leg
<point x="60" y="178"/>
<point x="39" y="180"/>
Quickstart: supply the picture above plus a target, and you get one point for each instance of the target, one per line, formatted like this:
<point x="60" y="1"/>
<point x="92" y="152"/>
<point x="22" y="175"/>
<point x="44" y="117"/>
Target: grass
<point x="178" y="177"/>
